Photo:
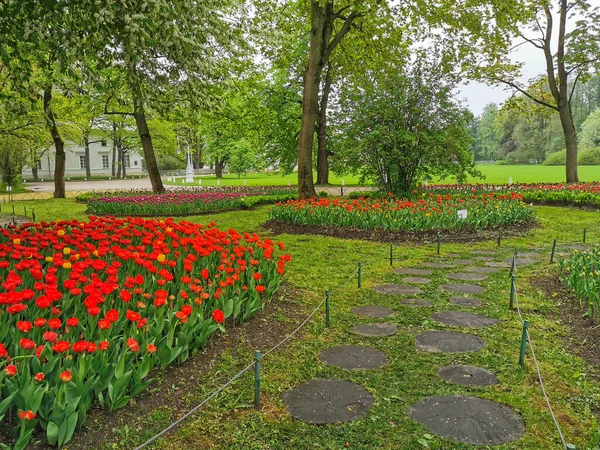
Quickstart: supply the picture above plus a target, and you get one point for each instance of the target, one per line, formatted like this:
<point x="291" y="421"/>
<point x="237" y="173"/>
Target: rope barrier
<point x="244" y="370"/>
<point x="537" y="367"/>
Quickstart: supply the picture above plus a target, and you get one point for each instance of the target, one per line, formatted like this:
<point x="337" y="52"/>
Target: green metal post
<point x="326" y="308"/>
<point x="25" y="209"/>
<point x="439" y="243"/>
<point x="584" y="233"/>
<point x="257" y="378"/>
<point x="391" y="255"/>
<point x="499" y="237"/>
<point x="512" y="290"/>
<point x="553" y="249"/>
<point x="359" y="273"/>
<point x="32" y="215"/>
<point x="514" y="264"/>
<point x="13" y="209"/>
<point x="523" y="342"/>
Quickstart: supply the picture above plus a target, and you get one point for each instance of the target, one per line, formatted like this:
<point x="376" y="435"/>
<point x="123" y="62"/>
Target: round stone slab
<point x="476" y="269"/>
<point x="498" y="264"/>
<point x="467" y="302"/>
<point x="467" y="375"/>
<point x="484" y="252"/>
<point x="466" y="276"/>
<point x="469" y="420"/>
<point x="417" y="302"/>
<point x="462" y="288"/>
<point x="356" y="357"/>
<point x="375" y="329"/>
<point x="397" y="289"/>
<point x="437" y="265"/>
<point x="322" y="401"/>
<point x="448" y="342"/>
<point x="463" y="319"/>
<point x="522" y="261"/>
<point x="416" y="280"/>
<point x="484" y="258"/>
<point x="463" y="262"/>
<point x="373" y="311"/>
<point x="411" y="271"/>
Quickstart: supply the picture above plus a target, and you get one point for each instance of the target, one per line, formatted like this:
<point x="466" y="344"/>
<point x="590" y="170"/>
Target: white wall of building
<point x="100" y="161"/>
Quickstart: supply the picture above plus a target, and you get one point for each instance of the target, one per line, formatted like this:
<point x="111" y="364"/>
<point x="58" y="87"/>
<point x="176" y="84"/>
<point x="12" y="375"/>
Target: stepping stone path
<point x="484" y="252"/>
<point x="448" y="342"/>
<point x="462" y="288"/>
<point x="375" y="329"/>
<point x="459" y="418"/>
<point x="463" y="319"/>
<point x="469" y="420"/>
<point x="417" y="302"/>
<point x="464" y="375"/>
<point x="398" y="289"/>
<point x="463" y="262"/>
<point x="322" y="401"/>
<point x="373" y="312"/>
<point x="355" y="357"/>
<point x="438" y="265"/>
<point x="467" y="302"/>
<point x="499" y="265"/>
<point x="481" y="269"/>
<point x="416" y="280"/>
<point x="466" y="276"/>
<point x="411" y="271"/>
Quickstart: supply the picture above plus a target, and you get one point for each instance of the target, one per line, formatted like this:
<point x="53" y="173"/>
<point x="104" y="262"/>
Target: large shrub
<point x="556" y="159"/>
<point x="589" y="157"/>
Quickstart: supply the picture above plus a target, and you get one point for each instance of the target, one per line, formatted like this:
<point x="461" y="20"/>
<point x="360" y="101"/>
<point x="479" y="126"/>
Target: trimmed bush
<point x="589" y="157"/>
<point x="556" y="159"/>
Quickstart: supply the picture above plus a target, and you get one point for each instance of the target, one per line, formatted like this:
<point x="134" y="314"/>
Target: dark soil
<point x="177" y="386"/>
<point x="419" y="237"/>
<point x="584" y="338"/>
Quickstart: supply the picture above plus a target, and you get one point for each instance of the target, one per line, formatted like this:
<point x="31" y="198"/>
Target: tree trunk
<point x="123" y="164"/>
<point x="568" y="126"/>
<point x="34" y="165"/>
<point x="310" y="102"/>
<point x="114" y="149"/>
<point x="88" y="172"/>
<point x="149" y="157"/>
<point x="59" y="145"/>
<point x="119" y="157"/>
<point x="322" y="161"/>
<point x="218" y="168"/>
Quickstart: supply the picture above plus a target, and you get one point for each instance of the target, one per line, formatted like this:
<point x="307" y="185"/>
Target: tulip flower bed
<point x="184" y="201"/>
<point x="432" y="212"/>
<point x="582" y="194"/>
<point x="580" y="273"/>
<point x="88" y="309"/>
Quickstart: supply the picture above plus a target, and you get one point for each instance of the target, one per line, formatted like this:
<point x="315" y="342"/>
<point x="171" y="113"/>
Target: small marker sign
<point x="462" y="214"/>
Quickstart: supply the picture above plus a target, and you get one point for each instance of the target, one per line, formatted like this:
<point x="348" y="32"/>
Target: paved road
<point x="44" y="190"/>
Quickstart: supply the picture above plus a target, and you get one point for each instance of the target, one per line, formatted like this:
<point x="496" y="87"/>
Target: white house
<point x="100" y="161"/>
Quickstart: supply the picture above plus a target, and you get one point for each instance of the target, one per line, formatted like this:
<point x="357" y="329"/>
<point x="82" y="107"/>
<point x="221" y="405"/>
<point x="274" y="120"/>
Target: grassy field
<point x="492" y="174"/>
<point x="319" y="263"/>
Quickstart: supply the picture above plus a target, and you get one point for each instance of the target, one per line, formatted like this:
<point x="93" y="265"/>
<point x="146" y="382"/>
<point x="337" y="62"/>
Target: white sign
<point x="218" y="182"/>
<point x="462" y="214"/>
<point x="426" y="183"/>
<point x="510" y="181"/>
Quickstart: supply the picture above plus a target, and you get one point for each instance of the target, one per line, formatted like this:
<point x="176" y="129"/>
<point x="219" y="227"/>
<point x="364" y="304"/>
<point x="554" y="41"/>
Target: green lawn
<point x="319" y="263"/>
<point x="493" y="174"/>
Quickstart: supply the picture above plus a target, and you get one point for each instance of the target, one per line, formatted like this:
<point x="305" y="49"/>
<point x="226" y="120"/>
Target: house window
<point x="103" y="142"/>
<point x="135" y="162"/>
<point x="127" y="161"/>
<point x="82" y="161"/>
<point x="105" y="161"/>
<point x="39" y="164"/>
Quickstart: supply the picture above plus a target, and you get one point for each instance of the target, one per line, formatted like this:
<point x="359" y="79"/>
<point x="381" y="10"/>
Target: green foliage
<point x="589" y="157"/>
<point x="580" y="272"/>
<point x="168" y="162"/>
<point x="405" y="127"/>
<point x="556" y="159"/>
<point x="590" y="130"/>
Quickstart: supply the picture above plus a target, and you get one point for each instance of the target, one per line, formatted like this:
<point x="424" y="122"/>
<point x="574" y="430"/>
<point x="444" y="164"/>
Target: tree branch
<point x="574" y="85"/>
<point x="339" y="35"/>
<point x="527" y="94"/>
